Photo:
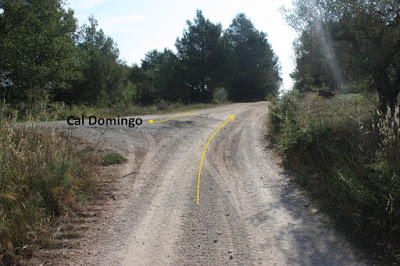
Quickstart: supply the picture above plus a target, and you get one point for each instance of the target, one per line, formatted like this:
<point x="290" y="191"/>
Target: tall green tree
<point x="198" y="51"/>
<point x="253" y="69"/>
<point x="312" y="70"/>
<point x="103" y="73"/>
<point x="38" y="54"/>
<point x="167" y="74"/>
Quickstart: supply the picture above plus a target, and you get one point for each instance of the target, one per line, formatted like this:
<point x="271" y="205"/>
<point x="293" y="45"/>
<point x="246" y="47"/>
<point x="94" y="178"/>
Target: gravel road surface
<point x="250" y="211"/>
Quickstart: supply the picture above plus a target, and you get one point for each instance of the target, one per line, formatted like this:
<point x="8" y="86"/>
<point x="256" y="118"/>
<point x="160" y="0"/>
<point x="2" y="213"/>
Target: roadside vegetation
<point x="42" y="177"/>
<point x="345" y="148"/>
<point x="347" y="155"/>
<point x="60" y="111"/>
<point x="51" y="66"/>
<point x="112" y="158"/>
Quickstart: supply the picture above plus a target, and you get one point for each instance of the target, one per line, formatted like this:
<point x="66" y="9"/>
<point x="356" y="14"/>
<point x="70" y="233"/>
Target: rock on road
<point x="250" y="212"/>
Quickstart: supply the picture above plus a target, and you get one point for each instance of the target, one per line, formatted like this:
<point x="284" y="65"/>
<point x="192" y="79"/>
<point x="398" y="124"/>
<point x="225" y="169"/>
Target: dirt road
<point x="250" y="212"/>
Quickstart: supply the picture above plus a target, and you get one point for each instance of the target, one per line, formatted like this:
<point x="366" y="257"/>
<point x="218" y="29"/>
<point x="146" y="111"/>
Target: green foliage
<point x="281" y="111"/>
<point x="112" y="158"/>
<point x="241" y="61"/>
<point x="129" y="96"/>
<point x="348" y="43"/>
<point x="38" y="55"/>
<point x="45" y="59"/>
<point x="253" y="69"/>
<point x="41" y="176"/>
<point x="311" y="67"/>
<point x="220" y="95"/>
<point x="103" y="75"/>
<point x="199" y="51"/>
<point x="349" y="160"/>
<point x="163" y="72"/>
<point x="161" y="104"/>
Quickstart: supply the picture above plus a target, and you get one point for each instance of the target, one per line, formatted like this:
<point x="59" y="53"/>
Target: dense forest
<point x="46" y="57"/>
<point x="348" y="45"/>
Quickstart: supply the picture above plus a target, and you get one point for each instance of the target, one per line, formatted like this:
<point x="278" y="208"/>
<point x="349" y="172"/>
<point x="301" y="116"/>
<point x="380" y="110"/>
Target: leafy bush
<point x="282" y="111"/>
<point x="161" y="104"/>
<point x="348" y="157"/>
<point x="220" y="95"/>
<point x="128" y="97"/>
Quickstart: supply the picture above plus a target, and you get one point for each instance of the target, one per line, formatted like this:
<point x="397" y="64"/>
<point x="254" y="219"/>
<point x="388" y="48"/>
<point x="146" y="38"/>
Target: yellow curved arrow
<point x="202" y="158"/>
<point x="152" y="121"/>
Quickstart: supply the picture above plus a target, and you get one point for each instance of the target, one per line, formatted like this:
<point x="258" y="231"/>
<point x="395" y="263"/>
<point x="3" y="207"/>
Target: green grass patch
<point x="112" y="158"/>
<point x="347" y="156"/>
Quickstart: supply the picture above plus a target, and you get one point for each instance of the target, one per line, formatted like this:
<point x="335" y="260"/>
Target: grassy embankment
<point x="43" y="176"/>
<point x="347" y="156"/>
<point x="44" y="111"/>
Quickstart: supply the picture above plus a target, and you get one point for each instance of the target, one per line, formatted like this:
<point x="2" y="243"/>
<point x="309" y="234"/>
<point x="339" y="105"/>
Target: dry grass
<point x="347" y="155"/>
<point x="335" y="110"/>
<point x="41" y="176"/>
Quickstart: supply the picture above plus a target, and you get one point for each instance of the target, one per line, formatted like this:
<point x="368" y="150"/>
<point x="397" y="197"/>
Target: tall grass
<point x="41" y="176"/>
<point x="348" y="157"/>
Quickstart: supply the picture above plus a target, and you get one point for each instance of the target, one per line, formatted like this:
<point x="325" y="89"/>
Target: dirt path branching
<point x="250" y="211"/>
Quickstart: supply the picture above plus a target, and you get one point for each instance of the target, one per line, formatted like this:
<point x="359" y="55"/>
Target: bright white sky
<point x="140" y="26"/>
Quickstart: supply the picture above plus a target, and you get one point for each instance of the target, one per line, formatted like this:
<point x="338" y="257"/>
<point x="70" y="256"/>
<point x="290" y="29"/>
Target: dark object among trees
<point x="305" y="90"/>
<point x="326" y="94"/>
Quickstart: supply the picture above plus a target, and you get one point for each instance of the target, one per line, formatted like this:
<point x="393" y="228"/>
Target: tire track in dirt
<point x="250" y="211"/>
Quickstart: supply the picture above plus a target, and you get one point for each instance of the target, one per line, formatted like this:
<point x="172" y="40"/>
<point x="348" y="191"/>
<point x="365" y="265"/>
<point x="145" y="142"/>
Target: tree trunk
<point x="387" y="91"/>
